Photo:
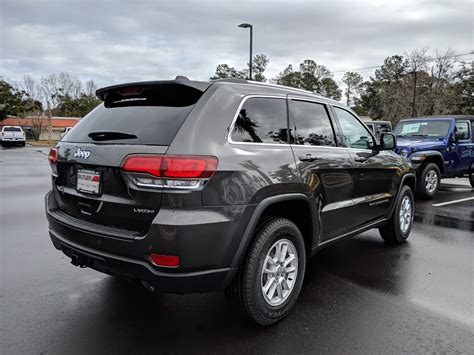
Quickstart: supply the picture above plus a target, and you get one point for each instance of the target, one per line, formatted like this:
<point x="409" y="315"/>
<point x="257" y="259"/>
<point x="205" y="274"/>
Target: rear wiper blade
<point x="110" y="135"/>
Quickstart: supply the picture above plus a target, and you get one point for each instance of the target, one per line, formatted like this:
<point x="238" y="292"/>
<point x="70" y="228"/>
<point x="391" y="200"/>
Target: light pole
<point x="247" y="25"/>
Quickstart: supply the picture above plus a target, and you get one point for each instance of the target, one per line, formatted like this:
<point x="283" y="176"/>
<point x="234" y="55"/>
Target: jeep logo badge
<point x="84" y="154"/>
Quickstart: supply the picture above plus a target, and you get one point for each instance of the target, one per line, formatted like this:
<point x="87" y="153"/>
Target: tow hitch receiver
<point x="79" y="260"/>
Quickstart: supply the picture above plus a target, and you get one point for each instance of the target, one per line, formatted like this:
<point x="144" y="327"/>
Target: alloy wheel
<point x="431" y="181"/>
<point x="405" y="214"/>
<point x="279" y="272"/>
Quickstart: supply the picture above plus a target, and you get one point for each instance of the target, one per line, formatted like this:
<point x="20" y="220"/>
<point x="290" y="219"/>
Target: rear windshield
<point x="11" y="129"/>
<point x="151" y="118"/>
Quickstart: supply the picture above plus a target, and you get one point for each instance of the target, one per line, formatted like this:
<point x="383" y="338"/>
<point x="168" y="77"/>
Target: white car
<point x="13" y="135"/>
<point x="65" y="131"/>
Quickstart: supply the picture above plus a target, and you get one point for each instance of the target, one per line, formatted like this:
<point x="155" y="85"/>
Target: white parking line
<point x="451" y="202"/>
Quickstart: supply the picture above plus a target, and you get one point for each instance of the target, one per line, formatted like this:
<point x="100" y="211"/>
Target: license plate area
<point x="89" y="181"/>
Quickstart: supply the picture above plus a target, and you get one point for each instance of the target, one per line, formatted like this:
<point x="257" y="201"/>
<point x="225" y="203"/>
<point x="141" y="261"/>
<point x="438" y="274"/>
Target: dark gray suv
<point x="228" y="185"/>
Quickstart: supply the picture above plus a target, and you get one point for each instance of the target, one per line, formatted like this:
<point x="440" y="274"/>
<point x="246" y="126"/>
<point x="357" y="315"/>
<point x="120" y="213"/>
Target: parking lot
<point x="359" y="296"/>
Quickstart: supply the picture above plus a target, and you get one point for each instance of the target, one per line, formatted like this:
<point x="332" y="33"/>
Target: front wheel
<point x="269" y="282"/>
<point x="398" y="228"/>
<point x="429" y="181"/>
<point x="471" y="179"/>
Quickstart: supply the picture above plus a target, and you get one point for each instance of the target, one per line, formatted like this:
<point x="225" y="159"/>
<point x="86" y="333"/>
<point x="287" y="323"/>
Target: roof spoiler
<point x="137" y="87"/>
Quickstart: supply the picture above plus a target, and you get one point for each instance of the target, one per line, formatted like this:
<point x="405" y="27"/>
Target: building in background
<point x="41" y="123"/>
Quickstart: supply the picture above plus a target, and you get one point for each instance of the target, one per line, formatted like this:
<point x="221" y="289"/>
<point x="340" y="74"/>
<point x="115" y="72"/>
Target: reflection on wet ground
<point x="458" y="215"/>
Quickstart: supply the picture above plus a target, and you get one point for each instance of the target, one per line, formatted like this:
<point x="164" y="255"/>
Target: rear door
<point x="89" y="184"/>
<point x="324" y="167"/>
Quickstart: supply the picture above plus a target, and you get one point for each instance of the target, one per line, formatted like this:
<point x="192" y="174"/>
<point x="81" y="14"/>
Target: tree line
<point x="60" y="94"/>
<point x="412" y="84"/>
<point x="408" y="85"/>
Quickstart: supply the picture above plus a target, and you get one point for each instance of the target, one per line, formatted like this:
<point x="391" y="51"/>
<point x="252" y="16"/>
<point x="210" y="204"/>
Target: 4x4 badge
<point x="84" y="154"/>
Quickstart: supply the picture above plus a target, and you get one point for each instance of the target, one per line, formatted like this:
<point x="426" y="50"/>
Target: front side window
<point x="261" y="120"/>
<point x="354" y="133"/>
<point x="424" y="129"/>
<point x="462" y="130"/>
<point x="310" y="124"/>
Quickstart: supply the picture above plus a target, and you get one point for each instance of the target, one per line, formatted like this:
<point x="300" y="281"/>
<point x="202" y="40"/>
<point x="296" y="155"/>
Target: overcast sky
<point x="118" y="41"/>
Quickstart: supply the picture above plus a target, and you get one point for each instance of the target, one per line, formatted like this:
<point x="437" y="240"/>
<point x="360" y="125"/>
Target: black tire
<point x="22" y="144"/>
<point x="245" y="292"/>
<point x="392" y="231"/>
<point x="471" y="179"/>
<point x="422" y="188"/>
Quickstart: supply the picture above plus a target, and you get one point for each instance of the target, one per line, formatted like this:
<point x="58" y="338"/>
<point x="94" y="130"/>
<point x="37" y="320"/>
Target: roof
<point x="246" y="86"/>
<point x="60" y="122"/>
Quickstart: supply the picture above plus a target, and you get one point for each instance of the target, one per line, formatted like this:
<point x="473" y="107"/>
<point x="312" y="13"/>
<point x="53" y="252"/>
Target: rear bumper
<point x="13" y="140"/>
<point x="206" y="257"/>
<point x="193" y="282"/>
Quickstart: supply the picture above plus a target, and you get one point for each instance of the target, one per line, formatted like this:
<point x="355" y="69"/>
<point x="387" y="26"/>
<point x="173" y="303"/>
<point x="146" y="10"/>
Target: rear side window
<point x="310" y="124"/>
<point x="152" y="117"/>
<point x="261" y="120"/>
<point x="11" y="129"/>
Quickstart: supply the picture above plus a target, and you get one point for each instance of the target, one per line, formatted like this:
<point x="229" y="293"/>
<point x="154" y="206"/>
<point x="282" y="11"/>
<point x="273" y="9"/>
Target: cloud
<point x="111" y="41"/>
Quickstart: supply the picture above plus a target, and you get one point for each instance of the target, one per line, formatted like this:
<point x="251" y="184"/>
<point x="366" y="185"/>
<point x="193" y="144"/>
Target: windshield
<point x="12" y="129"/>
<point x="423" y="129"/>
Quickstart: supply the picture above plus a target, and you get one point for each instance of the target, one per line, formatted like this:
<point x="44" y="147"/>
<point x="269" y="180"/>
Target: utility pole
<point x="50" y="123"/>
<point x="413" y="108"/>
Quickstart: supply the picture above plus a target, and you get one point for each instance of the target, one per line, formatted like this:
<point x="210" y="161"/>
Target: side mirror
<point x="388" y="141"/>
<point x="460" y="136"/>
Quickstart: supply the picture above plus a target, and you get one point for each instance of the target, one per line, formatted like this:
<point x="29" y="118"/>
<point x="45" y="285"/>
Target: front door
<point x="373" y="172"/>
<point x="463" y="148"/>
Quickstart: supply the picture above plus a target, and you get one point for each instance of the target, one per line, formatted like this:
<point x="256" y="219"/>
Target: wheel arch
<point x="430" y="156"/>
<point x="286" y="206"/>
<point x="409" y="180"/>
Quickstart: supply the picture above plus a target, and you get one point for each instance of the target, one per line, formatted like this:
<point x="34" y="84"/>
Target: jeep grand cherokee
<point x="228" y="185"/>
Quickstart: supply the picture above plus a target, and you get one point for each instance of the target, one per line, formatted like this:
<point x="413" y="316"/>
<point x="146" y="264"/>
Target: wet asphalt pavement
<point x="359" y="296"/>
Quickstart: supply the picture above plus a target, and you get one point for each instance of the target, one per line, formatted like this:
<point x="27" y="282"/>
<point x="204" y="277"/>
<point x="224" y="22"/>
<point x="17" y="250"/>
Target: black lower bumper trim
<point x="181" y="283"/>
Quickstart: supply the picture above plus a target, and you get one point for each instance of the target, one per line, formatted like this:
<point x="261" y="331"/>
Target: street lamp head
<point x="245" y="25"/>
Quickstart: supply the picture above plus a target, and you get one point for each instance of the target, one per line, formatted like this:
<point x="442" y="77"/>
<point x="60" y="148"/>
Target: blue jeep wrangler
<point x="438" y="147"/>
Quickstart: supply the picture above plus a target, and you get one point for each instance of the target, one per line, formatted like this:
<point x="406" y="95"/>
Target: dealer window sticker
<point x="411" y="128"/>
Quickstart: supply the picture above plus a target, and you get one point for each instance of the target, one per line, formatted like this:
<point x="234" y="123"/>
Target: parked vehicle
<point x="379" y="127"/>
<point x="13" y="135"/>
<point x="225" y="185"/>
<point x="438" y="147"/>
<point x="65" y="131"/>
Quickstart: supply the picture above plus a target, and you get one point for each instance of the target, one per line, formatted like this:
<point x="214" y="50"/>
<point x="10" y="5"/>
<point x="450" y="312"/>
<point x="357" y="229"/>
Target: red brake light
<point x="131" y="91"/>
<point x="53" y="155"/>
<point x="188" y="166"/>
<point x="172" y="166"/>
<point x="165" y="260"/>
<point x="143" y="163"/>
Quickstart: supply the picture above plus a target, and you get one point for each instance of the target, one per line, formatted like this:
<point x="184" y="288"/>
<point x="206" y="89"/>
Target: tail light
<point x="189" y="172"/>
<point x="53" y="158"/>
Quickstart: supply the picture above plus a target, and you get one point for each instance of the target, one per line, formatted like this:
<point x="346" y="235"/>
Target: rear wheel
<point x="398" y="228"/>
<point x="471" y="179"/>
<point x="429" y="181"/>
<point x="269" y="282"/>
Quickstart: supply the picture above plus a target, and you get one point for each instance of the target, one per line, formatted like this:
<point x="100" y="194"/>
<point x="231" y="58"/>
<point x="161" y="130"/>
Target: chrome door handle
<point x="308" y="157"/>
<point x="360" y="159"/>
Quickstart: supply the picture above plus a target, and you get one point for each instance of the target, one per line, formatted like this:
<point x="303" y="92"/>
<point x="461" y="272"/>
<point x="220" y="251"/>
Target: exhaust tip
<point x="149" y="287"/>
